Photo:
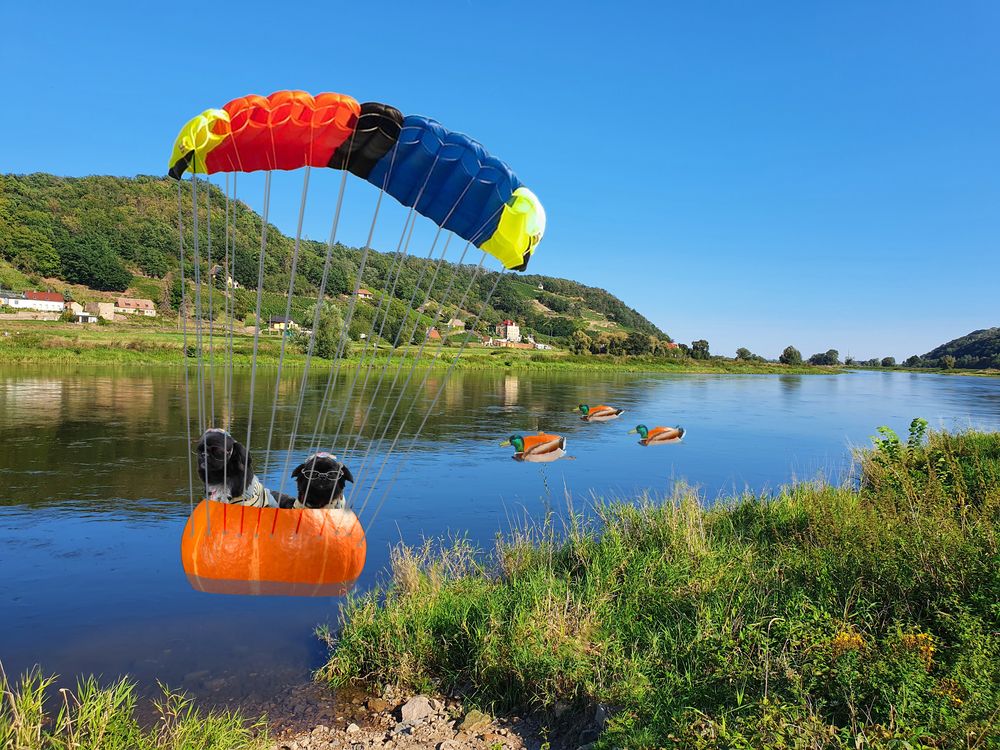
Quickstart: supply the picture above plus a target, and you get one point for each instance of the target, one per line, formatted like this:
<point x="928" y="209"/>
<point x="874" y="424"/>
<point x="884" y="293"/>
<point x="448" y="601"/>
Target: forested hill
<point x="107" y="232"/>
<point x="977" y="349"/>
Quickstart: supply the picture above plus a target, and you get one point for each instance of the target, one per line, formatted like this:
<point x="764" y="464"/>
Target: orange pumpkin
<point x="235" y="549"/>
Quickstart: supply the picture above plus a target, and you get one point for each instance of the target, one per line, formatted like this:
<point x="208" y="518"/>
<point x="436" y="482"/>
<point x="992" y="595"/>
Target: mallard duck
<point x="658" y="435"/>
<point x="599" y="413"/>
<point x="540" y="448"/>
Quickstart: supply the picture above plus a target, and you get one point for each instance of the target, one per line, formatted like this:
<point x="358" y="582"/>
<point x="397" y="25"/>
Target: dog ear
<point x="240" y="469"/>
<point x="297" y="471"/>
<point x="345" y="473"/>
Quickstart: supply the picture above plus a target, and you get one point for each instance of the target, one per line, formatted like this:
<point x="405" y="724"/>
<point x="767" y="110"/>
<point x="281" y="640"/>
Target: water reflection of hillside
<point x="121" y="437"/>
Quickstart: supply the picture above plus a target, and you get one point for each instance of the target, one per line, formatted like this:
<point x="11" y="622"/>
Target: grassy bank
<point x="865" y="615"/>
<point x="143" y="343"/>
<point x="104" y="718"/>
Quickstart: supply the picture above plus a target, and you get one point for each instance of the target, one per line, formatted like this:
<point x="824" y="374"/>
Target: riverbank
<point x="138" y="344"/>
<point x="815" y="616"/>
<point x="819" y="616"/>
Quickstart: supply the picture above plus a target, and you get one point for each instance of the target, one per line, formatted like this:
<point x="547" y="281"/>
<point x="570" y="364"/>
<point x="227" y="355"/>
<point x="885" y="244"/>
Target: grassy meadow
<point x="148" y="342"/>
<point x="854" y="616"/>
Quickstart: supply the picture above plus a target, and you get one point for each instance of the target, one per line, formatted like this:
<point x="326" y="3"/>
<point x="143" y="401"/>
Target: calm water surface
<point x="94" y="490"/>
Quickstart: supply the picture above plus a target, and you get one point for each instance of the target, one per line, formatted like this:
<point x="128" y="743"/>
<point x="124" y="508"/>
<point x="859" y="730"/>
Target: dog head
<point x="320" y="479"/>
<point x="221" y="459"/>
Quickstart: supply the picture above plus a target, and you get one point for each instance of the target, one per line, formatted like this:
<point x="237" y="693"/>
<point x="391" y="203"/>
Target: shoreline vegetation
<point x="817" y="616"/>
<point x="42" y="342"/>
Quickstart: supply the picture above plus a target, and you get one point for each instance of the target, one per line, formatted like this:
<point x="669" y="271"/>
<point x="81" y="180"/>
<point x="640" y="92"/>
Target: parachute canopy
<point x="445" y="176"/>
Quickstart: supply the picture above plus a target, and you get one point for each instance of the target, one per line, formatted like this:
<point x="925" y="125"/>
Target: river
<point x="94" y="490"/>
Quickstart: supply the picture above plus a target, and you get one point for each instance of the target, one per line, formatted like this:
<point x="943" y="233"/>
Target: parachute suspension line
<point x="231" y="274"/>
<point x="430" y="409"/>
<point x="402" y="391"/>
<point x="320" y="303"/>
<point x="288" y="313"/>
<point x="256" y="332"/>
<point x="199" y="344"/>
<point x="183" y="315"/>
<point x="391" y="274"/>
<point x="211" y="305"/>
<point x="227" y="322"/>
<point x="380" y="378"/>
<point x="413" y="329"/>
<point x="331" y="381"/>
<point x="402" y="249"/>
<point x="416" y="358"/>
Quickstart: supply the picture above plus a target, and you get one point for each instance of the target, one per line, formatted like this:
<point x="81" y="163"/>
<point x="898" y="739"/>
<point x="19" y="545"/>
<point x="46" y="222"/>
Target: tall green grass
<point x="863" y="615"/>
<point x="103" y="718"/>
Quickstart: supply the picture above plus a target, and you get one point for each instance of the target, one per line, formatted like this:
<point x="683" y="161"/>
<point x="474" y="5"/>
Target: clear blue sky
<point x="757" y="174"/>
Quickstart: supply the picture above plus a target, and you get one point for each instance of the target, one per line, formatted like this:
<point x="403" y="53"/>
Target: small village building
<point x="365" y="294"/>
<point x="84" y="317"/>
<point x="456" y="323"/>
<point x="433" y="334"/>
<point x="132" y="306"/>
<point x="508" y="330"/>
<point x="37" y="301"/>
<point x="105" y="310"/>
<point x="281" y="323"/>
<point x="7" y="297"/>
<point x="231" y="283"/>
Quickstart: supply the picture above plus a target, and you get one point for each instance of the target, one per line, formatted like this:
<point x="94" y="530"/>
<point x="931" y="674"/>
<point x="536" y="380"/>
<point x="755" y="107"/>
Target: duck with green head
<point x="658" y="435"/>
<point x="540" y="448"/>
<point x="599" y="413"/>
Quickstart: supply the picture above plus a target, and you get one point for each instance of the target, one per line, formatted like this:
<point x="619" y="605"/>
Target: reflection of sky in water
<point x="93" y="488"/>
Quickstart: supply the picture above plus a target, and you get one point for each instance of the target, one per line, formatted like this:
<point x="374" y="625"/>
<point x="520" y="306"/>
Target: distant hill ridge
<point x="104" y="232"/>
<point x="979" y="349"/>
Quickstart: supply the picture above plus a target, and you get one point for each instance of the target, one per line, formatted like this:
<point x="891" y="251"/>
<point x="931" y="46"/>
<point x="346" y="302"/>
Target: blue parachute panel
<point x="447" y="177"/>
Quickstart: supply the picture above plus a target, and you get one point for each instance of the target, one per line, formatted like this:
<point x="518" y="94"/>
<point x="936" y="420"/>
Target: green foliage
<point x="699" y="349"/>
<point x="790" y="356"/>
<point x="580" y="343"/>
<point x="978" y="349"/>
<point x="821" y="616"/>
<point x="831" y="357"/>
<point x="888" y="362"/>
<point x="746" y="355"/>
<point x="329" y="331"/>
<point x="104" y="718"/>
<point x="88" y="260"/>
<point x="95" y="230"/>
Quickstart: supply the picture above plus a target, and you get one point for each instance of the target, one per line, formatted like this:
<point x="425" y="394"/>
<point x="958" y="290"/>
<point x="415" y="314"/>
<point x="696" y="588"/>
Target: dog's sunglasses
<point x="313" y="475"/>
<point x="215" y="451"/>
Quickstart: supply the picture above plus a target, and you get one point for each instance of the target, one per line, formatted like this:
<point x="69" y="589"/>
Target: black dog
<point x="226" y="469"/>
<point x="320" y="479"/>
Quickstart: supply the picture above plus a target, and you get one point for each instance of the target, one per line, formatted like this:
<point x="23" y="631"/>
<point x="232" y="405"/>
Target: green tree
<point x="580" y="342"/>
<point x="89" y="261"/>
<point x="699" y="349"/>
<point x="913" y="361"/>
<point x="790" y="356"/>
<point x="637" y="343"/>
<point x="329" y="330"/>
<point x="745" y="354"/>
<point x="888" y="362"/>
<point x="948" y="362"/>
